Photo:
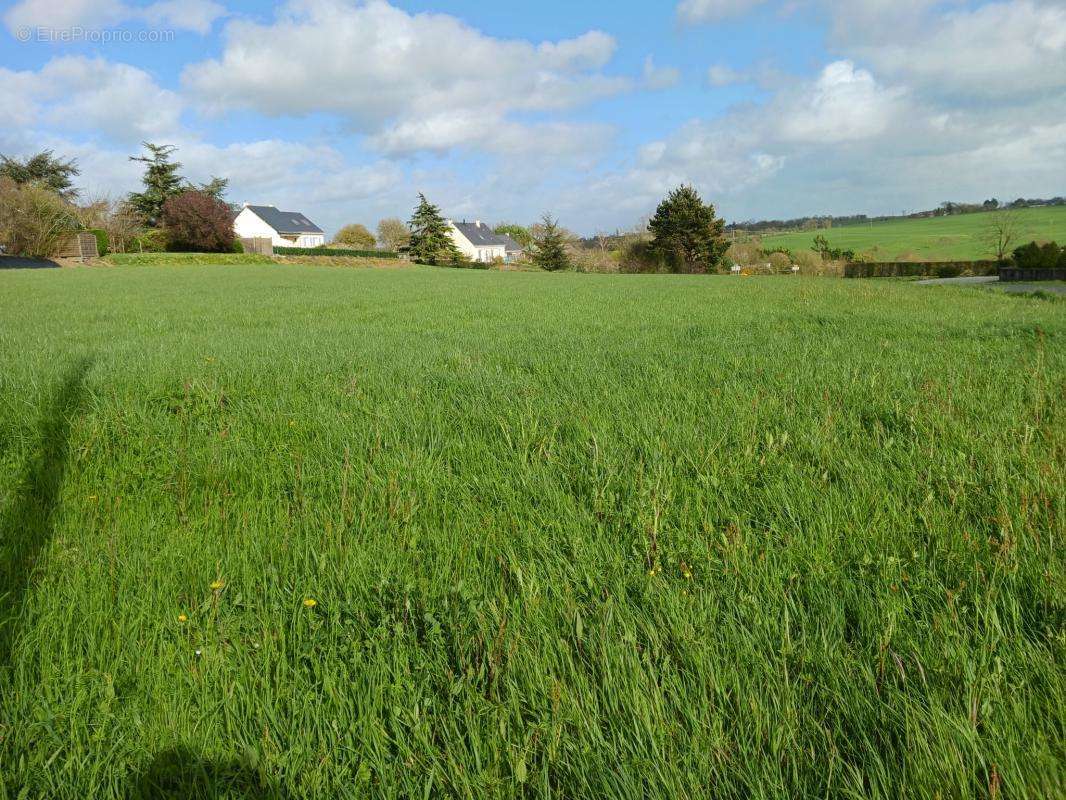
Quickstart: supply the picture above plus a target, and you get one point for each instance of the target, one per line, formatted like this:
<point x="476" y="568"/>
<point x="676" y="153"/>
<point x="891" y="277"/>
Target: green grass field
<point x="566" y="536"/>
<point x="937" y="239"/>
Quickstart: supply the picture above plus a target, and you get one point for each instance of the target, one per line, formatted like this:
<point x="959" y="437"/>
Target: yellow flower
<point x="92" y="498"/>
<point x="216" y="585"/>
<point x="182" y="618"/>
<point x="310" y="602"/>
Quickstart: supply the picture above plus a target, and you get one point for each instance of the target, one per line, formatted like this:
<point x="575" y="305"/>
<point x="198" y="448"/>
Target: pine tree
<point x="687" y="233"/>
<point x="549" y="250"/>
<point x="430" y="241"/>
<point x="161" y="182"/>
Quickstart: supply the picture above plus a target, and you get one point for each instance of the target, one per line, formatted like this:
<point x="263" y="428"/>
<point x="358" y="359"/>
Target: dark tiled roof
<point x="482" y="235"/>
<point x="510" y="244"/>
<point x="285" y="221"/>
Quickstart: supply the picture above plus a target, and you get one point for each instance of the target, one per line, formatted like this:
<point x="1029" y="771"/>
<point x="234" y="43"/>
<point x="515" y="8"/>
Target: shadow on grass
<point x="26" y="526"/>
<point x="17" y="262"/>
<point x="180" y="773"/>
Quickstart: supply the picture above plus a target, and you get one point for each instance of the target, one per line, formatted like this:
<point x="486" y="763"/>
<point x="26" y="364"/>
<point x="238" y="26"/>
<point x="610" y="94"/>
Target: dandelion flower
<point x="182" y="618"/>
<point x="216" y="585"/>
<point x="310" y="602"/>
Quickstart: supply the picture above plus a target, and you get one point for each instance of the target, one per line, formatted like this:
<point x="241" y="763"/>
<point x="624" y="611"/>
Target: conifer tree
<point x="430" y="241"/>
<point x="161" y="182"/>
<point x="687" y="233"/>
<point x="549" y="249"/>
<point x="45" y="169"/>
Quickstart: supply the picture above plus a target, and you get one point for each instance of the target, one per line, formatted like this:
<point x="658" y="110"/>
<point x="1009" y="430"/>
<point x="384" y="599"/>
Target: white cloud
<point x="91" y="94"/>
<point x="844" y="104"/>
<point x="999" y="49"/>
<point x="190" y="15"/>
<point x="406" y="79"/>
<point x="699" y="11"/>
<point x="656" y="78"/>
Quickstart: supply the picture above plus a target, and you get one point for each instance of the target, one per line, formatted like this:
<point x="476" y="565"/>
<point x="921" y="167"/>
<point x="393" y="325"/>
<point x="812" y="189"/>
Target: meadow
<point x="935" y="239"/>
<point x="304" y="532"/>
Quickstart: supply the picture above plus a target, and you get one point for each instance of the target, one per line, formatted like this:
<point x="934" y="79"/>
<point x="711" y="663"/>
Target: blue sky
<point x="345" y="109"/>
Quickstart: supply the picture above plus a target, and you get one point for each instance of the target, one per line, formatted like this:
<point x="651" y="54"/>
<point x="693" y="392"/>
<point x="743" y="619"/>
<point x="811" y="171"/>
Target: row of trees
<point x="392" y="235"/>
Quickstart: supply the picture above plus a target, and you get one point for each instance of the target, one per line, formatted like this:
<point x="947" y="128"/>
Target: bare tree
<point x="1001" y="232"/>
<point x="393" y="233"/>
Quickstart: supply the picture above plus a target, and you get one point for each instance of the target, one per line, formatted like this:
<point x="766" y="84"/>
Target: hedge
<point x="103" y="242"/>
<point x="919" y="269"/>
<point x="333" y="251"/>
<point x="1040" y="256"/>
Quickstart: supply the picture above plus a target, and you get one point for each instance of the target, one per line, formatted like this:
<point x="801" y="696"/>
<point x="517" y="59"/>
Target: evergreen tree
<point x="161" y="182"/>
<point x="43" y="169"/>
<point x="430" y="241"/>
<point x="686" y="232"/>
<point x="216" y="187"/>
<point x="549" y="250"/>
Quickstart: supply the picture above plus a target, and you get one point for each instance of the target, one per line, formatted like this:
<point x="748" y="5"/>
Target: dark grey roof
<point x="482" y="235"/>
<point x="510" y="244"/>
<point x="285" y="221"/>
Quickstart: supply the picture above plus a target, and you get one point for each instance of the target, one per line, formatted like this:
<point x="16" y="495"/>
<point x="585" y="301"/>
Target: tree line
<point x="39" y="207"/>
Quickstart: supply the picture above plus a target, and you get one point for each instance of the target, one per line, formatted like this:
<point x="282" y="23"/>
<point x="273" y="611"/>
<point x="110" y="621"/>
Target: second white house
<point x="478" y="242"/>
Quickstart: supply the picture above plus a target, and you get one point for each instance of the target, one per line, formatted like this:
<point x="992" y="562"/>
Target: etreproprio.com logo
<point x="93" y="35"/>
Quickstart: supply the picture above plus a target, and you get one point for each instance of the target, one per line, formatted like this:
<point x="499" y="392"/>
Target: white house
<point x="477" y="242"/>
<point x="284" y="228"/>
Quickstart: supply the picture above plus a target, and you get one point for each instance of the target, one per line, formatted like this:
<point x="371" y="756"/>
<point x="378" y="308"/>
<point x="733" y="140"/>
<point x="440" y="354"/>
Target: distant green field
<point x="304" y="532"/>
<point x="937" y="239"/>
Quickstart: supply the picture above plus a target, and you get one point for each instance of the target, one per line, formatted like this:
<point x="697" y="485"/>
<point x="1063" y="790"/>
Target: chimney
<point x="477" y="222"/>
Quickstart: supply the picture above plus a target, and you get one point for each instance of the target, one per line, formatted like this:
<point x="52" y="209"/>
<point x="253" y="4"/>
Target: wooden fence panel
<point x="259" y="245"/>
<point x="80" y="245"/>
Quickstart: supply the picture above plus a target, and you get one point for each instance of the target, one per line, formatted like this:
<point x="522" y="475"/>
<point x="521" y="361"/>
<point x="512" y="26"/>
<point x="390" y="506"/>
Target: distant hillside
<point x="766" y="227"/>
<point x="945" y="238"/>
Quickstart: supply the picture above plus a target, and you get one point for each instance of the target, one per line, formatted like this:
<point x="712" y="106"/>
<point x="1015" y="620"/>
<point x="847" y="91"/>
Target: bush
<point x="332" y="251"/>
<point x="821" y="245"/>
<point x="238" y="246"/>
<point x="103" y="242"/>
<point x="34" y="221"/>
<point x="1036" y="256"/>
<point x="780" y="262"/>
<point x="197" y="222"/>
<point x="153" y="240"/>
<point x="639" y="256"/>
<point x="356" y="236"/>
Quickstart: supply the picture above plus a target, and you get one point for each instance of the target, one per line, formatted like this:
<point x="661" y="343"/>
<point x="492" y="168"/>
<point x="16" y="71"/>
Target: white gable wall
<point x="483" y="253"/>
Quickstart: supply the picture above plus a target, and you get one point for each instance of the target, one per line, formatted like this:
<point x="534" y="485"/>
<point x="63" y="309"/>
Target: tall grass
<point x="564" y="535"/>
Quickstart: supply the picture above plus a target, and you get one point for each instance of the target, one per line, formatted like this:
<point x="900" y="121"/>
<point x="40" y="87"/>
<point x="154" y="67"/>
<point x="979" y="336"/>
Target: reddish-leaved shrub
<point x="199" y="223"/>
